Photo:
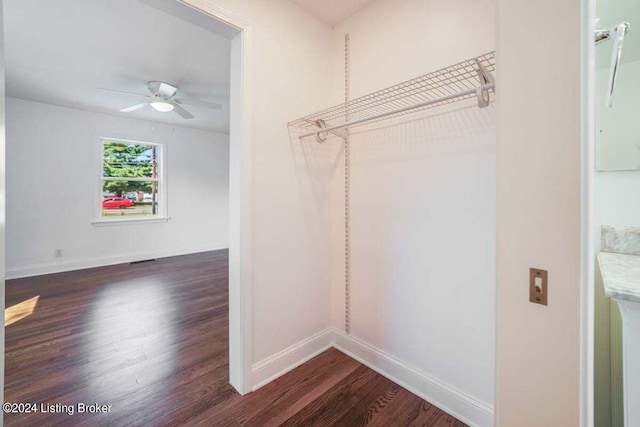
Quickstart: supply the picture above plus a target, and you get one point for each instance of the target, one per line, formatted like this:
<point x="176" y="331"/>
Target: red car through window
<point x="117" y="203"/>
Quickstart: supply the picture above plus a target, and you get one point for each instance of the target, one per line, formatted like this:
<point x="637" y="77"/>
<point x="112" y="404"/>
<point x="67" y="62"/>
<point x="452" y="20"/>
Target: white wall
<point x="290" y="63"/>
<point x="539" y="212"/>
<point x="617" y="180"/>
<point x="422" y="203"/>
<point x="617" y="201"/>
<point x="52" y="155"/>
<point x="617" y="130"/>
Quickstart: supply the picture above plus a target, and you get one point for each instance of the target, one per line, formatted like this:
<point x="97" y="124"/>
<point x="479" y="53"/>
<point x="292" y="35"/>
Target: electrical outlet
<point x="538" y="286"/>
<point x="58" y="253"/>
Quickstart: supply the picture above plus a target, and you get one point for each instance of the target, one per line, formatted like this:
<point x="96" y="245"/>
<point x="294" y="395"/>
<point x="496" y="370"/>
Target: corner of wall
<point x="267" y="370"/>
<point x="442" y="395"/>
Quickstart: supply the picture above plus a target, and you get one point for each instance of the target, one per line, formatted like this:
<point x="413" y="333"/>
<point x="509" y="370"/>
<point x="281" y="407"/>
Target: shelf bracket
<point x="321" y="136"/>
<point x="486" y="78"/>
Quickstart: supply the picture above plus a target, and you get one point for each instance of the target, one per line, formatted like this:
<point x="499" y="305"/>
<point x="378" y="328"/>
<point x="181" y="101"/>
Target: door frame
<point x="240" y="191"/>
<point x="240" y="186"/>
<point x="588" y="250"/>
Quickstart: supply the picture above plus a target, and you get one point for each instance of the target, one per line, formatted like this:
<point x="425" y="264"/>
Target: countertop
<point x="621" y="275"/>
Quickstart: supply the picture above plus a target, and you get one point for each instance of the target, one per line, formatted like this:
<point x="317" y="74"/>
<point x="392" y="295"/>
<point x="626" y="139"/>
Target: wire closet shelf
<point x="465" y="80"/>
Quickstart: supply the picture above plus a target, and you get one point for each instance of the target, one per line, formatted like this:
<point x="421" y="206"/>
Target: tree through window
<point x="130" y="179"/>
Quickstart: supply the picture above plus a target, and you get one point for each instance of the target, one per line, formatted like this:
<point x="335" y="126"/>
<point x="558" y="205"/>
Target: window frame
<point x="161" y="180"/>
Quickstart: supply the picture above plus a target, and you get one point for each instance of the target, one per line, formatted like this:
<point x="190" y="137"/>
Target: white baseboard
<point x="290" y="358"/>
<point x="59" y="267"/>
<point x="454" y="402"/>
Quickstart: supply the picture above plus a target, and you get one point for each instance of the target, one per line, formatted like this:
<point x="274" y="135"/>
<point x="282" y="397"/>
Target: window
<point x="131" y="180"/>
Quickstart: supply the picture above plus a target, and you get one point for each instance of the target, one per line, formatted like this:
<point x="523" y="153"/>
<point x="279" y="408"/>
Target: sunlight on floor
<point x="20" y="310"/>
<point x="130" y="341"/>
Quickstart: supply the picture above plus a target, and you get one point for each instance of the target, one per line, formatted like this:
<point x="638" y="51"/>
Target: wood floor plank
<point x="281" y="410"/>
<point x="366" y="411"/>
<point x="363" y="411"/>
<point x="284" y="388"/>
<point x="151" y="340"/>
<point x="332" y="405"/>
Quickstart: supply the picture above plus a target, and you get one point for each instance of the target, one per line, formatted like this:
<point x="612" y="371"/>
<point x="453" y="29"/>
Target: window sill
<point x="128" y="221"/>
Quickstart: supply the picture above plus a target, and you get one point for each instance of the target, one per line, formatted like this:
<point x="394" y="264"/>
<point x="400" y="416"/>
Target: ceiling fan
<point x="163" y="99"/>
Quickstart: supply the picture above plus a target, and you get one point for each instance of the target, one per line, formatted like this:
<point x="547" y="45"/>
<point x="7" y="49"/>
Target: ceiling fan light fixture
<point x="162" y="106"/>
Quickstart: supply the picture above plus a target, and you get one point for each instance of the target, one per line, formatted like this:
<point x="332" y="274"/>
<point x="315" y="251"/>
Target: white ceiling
<point x="332" y="12"/>
<point x="60" y="52"/>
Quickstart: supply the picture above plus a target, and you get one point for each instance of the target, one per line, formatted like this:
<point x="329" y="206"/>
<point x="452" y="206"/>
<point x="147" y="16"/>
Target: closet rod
<point x="480" y="89"/>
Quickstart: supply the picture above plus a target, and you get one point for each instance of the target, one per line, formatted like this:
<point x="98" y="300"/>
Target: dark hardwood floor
<point x="150" y="340"/>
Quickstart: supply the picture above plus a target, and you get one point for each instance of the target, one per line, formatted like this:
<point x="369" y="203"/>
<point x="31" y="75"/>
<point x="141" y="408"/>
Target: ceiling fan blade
<point x="122" y="91"/>
<point x="133" y="107"/>
<point x="166" y="90"/>
<point x="162" y="89"/>
<point x="198" y="103"/>
<point x="182" y="112"/>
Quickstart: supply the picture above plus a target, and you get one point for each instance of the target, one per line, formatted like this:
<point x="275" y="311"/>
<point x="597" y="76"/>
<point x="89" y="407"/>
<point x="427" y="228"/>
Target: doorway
<point x="239" y="202"/>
